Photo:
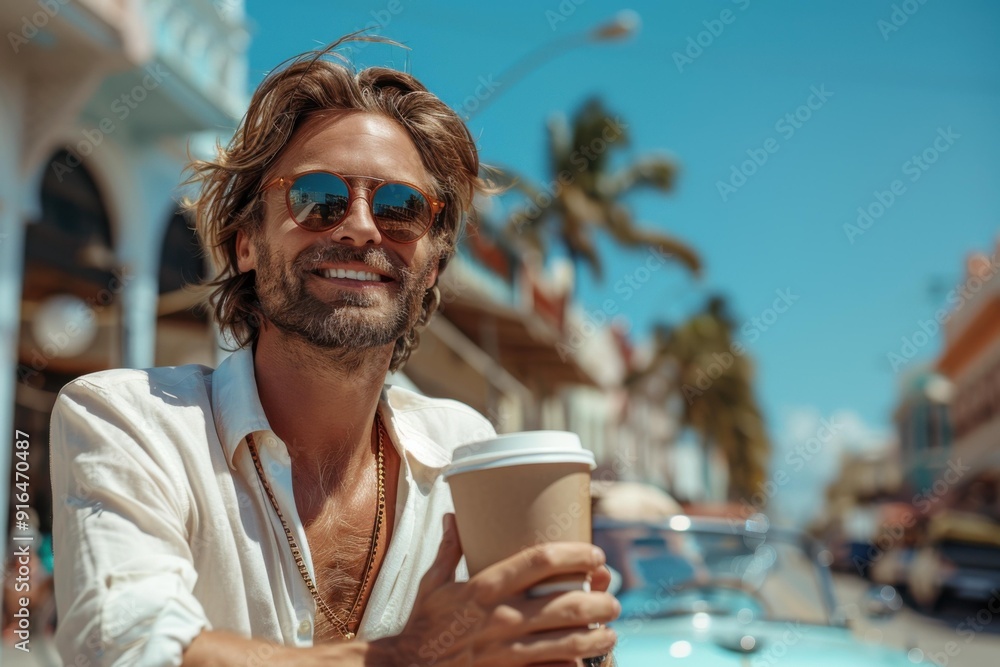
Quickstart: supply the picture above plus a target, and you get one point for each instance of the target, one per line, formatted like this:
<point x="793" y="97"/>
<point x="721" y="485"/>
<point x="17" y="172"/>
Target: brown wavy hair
<point x="308" y="84"/>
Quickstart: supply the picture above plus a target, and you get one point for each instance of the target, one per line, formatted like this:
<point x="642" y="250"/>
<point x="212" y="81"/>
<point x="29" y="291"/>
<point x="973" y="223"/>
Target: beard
<point x="356" y="320"/>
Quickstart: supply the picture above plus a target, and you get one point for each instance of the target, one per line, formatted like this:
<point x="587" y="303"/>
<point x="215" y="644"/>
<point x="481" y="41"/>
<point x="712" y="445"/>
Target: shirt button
<point x="305" y="627"/>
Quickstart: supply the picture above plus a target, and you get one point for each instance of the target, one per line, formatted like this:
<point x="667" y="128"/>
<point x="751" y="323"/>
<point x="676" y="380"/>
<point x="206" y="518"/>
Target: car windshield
<point x="717" y="571"/>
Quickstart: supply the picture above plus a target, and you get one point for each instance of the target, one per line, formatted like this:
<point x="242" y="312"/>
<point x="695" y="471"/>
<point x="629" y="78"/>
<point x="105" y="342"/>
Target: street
<point x="963" y="635"/>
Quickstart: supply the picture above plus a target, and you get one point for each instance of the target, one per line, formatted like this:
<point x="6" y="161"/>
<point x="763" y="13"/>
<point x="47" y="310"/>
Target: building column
<point x="146" y="211"/>
<point x="139" y="299"/>
<point x="11" y="278"/>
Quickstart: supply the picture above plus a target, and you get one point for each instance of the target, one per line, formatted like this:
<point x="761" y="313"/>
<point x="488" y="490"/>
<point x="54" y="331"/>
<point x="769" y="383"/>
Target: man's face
<point x="290" y="261"/>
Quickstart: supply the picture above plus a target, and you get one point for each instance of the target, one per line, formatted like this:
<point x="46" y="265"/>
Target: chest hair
<point x="339" y="546"/>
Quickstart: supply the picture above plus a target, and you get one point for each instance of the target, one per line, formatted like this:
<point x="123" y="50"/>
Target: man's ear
<point x="442" y="255"/>
<point x="246" y="258"/>
<point x="433" y="276"/>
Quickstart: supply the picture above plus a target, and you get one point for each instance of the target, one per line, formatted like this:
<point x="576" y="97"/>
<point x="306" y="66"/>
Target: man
<point x="286" y="502"/>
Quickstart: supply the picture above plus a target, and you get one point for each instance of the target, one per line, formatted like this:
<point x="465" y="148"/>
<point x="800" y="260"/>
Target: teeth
<point x="350" y="274"/>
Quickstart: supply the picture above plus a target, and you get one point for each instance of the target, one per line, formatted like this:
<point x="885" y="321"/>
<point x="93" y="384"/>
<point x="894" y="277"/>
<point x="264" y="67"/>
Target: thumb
<point x="442" y="570"/>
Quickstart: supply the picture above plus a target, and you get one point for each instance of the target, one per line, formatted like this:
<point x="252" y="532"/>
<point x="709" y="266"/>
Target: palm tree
<point x="583" y="195"/>
<point x="716" y="385"/>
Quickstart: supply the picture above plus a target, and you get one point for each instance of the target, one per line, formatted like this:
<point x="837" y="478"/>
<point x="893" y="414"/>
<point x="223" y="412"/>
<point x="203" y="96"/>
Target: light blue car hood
<point x="654" y="642"/>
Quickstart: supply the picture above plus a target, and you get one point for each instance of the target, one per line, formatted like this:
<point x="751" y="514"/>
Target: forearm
<point x="224" y="649"/>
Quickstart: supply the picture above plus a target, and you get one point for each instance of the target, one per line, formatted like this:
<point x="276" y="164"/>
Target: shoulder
<point x="445" y="421"/>
<point x="132" y="401"/>
<point x="127" y="424"/>
<point x="168" y="384"/>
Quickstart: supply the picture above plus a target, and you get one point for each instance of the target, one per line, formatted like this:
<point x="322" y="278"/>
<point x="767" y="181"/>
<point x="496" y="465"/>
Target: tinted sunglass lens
<point x="401" y="212"/>
<point x="318" y="201"/>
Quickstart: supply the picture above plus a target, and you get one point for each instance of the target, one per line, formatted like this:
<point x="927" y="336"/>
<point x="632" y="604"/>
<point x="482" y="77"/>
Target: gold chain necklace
<point x="341" y="626"/>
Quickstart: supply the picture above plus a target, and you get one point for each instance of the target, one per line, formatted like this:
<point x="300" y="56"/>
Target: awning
<point x="448" y="365"/>
<point x="524" y="344"/>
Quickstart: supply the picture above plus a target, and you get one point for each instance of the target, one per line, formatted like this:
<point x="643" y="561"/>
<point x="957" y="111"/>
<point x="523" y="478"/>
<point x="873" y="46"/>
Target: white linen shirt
<point x="161" y="528"/>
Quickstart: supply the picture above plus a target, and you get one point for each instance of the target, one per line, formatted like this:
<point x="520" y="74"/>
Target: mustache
<point x="377" y="258"/>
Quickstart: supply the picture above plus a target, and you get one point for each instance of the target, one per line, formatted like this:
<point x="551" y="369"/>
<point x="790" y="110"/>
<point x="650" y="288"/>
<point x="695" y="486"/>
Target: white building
<point x="99" y="100"/>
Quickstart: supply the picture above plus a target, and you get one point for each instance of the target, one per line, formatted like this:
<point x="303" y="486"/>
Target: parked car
<point x="960" y="558"/>
<point x="725" y="592"/>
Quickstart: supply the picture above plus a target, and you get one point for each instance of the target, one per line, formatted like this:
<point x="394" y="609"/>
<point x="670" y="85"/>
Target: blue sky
<point x="888" y="94"/>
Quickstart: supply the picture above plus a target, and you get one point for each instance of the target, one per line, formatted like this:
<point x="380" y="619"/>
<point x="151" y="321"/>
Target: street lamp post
<point x="622" y="26"/>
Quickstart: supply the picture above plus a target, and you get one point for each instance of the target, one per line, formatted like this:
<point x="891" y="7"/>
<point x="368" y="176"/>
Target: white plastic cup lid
<point x="514" y="449"/>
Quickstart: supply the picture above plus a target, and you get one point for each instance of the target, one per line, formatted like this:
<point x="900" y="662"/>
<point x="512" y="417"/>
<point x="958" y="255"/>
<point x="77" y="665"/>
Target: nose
<point x="358" y="228"/>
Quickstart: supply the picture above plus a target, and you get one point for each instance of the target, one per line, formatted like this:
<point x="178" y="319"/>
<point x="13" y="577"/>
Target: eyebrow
<point x="429" y="186"/>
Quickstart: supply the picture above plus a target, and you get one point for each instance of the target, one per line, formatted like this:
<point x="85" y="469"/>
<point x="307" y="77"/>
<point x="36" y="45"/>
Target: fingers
<point x="561" y="646"/>
<point x="526" y="568"/>
<point x="442" y="570"/>
<point x="600" y="578"/>
<point x="576" y="609"/>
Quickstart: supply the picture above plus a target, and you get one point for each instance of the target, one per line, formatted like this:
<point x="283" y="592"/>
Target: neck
<point x="321" y="403"/>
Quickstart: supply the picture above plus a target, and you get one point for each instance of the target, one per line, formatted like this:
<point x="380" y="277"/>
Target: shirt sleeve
<point x="124" y="574"/>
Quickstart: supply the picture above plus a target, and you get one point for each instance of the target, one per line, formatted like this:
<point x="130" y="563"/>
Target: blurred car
<point x="960" y="558"/>
<point x="698" y="591"/>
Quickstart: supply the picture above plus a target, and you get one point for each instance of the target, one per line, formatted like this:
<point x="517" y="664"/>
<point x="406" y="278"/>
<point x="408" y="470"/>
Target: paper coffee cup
<point x="519" y="490"/>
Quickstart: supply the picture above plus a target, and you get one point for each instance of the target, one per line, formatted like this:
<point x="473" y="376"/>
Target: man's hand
<point x="490" y="620"/>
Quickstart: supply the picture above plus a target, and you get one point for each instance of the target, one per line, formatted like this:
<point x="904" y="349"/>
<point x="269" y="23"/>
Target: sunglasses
<point x="318" y="201"/>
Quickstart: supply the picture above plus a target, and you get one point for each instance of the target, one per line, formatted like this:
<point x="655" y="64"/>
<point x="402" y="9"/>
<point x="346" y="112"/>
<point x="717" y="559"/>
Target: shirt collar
<point x="237" y="412"/>
<point x="236" y="404"/>
<point x="409" y="429"/>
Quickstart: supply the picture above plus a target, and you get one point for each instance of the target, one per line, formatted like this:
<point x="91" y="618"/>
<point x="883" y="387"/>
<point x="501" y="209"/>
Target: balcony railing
<point x="205" y="43"/>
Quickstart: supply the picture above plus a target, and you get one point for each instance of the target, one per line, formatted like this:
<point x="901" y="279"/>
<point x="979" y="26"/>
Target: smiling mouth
<point x="349" y="274"/>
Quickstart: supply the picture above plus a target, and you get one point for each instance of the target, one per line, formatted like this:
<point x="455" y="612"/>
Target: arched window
<point x="69" y="259"/>
<point x="73" y="234"/>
